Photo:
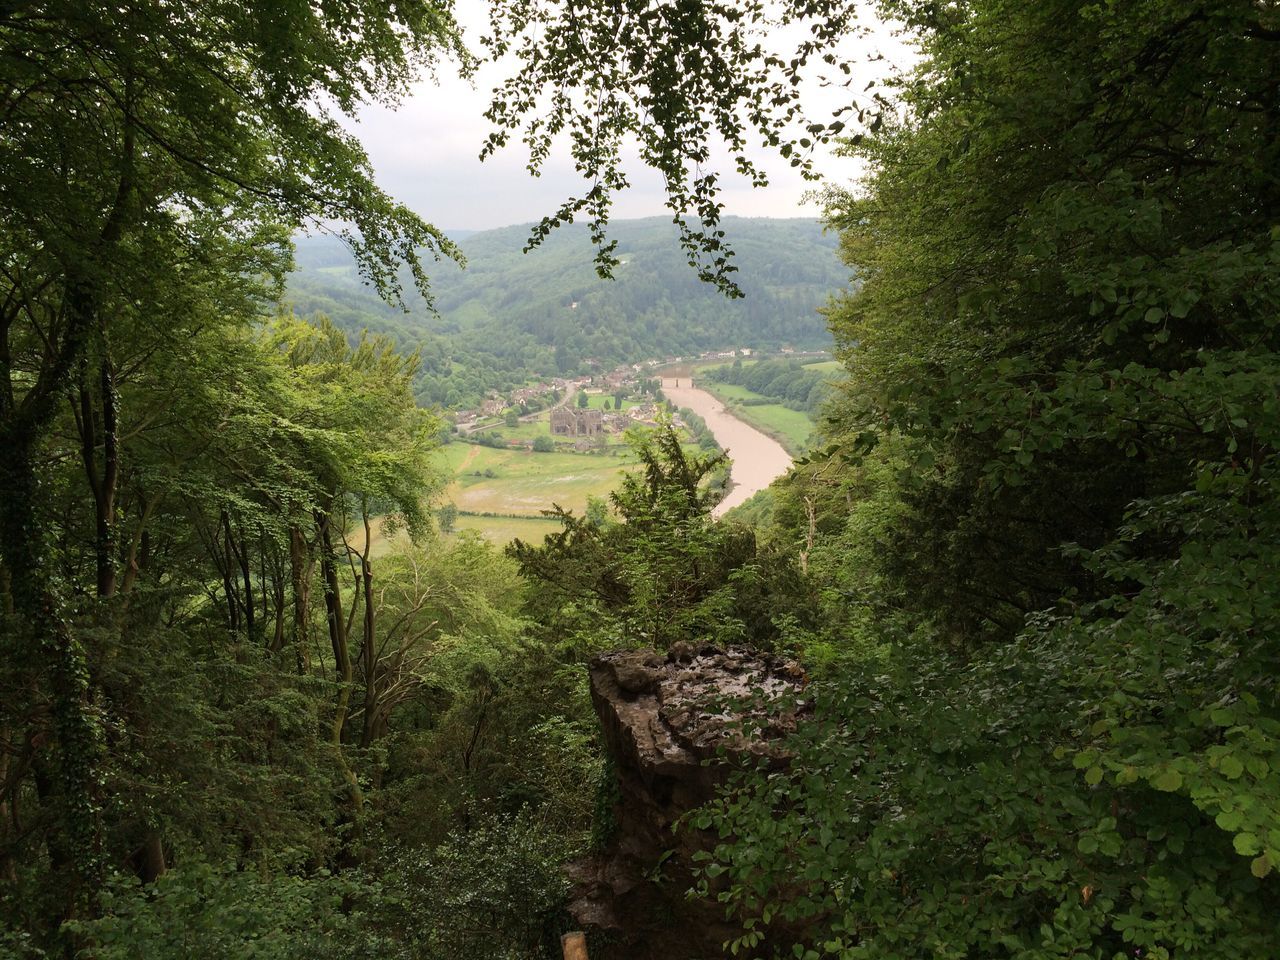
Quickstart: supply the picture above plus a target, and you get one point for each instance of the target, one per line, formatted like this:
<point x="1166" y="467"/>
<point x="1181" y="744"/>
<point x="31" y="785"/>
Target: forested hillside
<point x="1022" y="587"/>
<point x="509" y="316"/>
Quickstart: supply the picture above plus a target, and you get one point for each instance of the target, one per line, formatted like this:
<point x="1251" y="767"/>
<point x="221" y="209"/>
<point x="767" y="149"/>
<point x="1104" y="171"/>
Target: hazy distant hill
<point x="510" y="316"/>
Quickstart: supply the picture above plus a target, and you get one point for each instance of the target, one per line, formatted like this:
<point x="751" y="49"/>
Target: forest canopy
<point x="1027" y="573"/>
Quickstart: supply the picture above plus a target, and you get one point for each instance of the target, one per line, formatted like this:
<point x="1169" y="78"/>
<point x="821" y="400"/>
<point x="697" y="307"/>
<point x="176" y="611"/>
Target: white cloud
<point x="426" y="154"/>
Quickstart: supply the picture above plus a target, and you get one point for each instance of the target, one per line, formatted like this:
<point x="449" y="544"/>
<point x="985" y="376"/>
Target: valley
<point x="962" y="646"/>
<point x="506" y="464"/>
<point x="509" y="320"/>
<point x="539" y="368"/>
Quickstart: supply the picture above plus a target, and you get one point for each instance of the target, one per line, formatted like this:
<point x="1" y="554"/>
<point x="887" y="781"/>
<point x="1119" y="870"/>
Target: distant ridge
<point x="510" y="317"/>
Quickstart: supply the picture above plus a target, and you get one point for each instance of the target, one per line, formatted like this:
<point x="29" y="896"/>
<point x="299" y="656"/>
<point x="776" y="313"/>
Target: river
<point x="758" y="459"/>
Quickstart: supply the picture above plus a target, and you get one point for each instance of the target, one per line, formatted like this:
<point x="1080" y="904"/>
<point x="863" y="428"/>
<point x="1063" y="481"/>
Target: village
<point x="585" y="411"/>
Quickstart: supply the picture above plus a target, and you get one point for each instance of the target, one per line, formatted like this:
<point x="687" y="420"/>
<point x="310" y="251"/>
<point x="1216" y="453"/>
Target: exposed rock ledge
<point x="663" y="716"/>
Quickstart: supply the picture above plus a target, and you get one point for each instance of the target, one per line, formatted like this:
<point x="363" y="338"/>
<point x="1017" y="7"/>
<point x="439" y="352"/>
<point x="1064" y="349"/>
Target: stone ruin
<point x="569" y="422"/>
<point x="672" y="726"/>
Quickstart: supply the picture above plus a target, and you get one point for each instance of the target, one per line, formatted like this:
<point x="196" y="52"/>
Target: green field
<point x="825" y="366"/>
<point x="502" y="530"/>
<point x="488" y="480"/>
<point x="501" y="493"/>
<point x="789" y="427"/>
<point x="539" y="426"/>
<point x="497" y="530"/>
<point x="728" y="391"/>
<point x="595" y="401"/>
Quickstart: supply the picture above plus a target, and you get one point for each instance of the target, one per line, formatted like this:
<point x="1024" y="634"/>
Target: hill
<point x="509" y="316"/>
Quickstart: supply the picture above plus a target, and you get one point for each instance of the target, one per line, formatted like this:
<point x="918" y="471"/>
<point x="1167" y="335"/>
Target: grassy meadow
<point x="595" y="401"/>
<point x="826" y="366"/>
<point x="501" y="530"/>
<point x="500" y="493"/>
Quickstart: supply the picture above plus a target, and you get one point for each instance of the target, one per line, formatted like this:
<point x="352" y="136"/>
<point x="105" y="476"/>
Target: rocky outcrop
<point x="674" y="724"/>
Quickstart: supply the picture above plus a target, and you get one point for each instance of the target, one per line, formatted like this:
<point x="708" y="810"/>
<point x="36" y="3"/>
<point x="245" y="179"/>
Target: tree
<point x="447" y="516"/>
<point x="142" y="141"/>
<point x="583" y="400"/>
<point x="543" y="443"/>
<point x="1048" y="505"/>
<point x="664" y="572"/>
<point x="597" y="512"/>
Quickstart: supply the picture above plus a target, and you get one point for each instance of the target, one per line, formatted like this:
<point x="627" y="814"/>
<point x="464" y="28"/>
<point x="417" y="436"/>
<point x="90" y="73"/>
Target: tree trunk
<point x="300" y="574"/>
<point x="369" y="648"/>
<point x="241" y="552"/>
<point x="43" y="649"/>
<point x="344" y="672"/>
<point x="49" y="652"/>
<point x="135" y="558"/>
<point x="105" y="539"/>
<point x="228" y="577"/>
<point x="337" y="624"/>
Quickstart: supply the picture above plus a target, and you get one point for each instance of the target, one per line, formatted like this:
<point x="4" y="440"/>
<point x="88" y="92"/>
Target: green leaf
<point x="1246" y="844"/>
<point x="1229" y="820"/>
<point x="1167" y="780"/>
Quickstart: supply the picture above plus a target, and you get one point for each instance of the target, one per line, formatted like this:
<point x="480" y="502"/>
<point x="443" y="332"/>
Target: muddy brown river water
<point x="758" y="459"/>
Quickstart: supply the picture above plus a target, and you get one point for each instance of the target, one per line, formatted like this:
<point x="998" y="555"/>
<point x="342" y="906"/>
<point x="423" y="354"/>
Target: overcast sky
<point x="425" y="154"/>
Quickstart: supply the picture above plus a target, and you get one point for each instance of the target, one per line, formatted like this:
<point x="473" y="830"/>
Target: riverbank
<point x="758" y="459"/>
<point x="791" y="428"/>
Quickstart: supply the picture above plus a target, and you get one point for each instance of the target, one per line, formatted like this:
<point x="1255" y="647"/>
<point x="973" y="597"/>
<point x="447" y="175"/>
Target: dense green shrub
<point x="493" y="889"/>
<point x="201" y="912"/>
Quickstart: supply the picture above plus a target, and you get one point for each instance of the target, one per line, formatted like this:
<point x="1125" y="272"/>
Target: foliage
<point x="1032" y="567"/>
<point x="697" y="426"/>
<point x="205" y="913"/>
<point x="660" y="572"/>
<point x="154" y="157"/>
<point x="446" y="517"/>
<point x="1042" y="528"/>
<point x="682" y="80"/>
<point x="492" y="890"/>
<point x="785" y="381"/>
<point x="941" y="810"/>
